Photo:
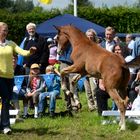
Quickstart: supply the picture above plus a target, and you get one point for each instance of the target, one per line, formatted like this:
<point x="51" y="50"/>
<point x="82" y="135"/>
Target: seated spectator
<point x="53" y="90"/>
<point x="136" y="102"/>
<point x="118" y="49"/>
<point x="19" y="87"/>
<point x="35" y="86"/>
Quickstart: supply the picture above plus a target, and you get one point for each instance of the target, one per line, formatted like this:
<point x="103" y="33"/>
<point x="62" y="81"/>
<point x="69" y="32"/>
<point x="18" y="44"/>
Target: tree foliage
<point x="17" y="5"/>
<point x="123" y="19"/>
<point x="5" y="4"/>
<point x="137" y="4"/>
<point x="22" y="5"/>
<point x="83" y="2"/>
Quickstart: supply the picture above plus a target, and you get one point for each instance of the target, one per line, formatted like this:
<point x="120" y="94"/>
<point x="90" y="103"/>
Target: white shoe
<point x="105" y="122"/>
<point x="7" y="131"/>
<point x="35" y="116"/>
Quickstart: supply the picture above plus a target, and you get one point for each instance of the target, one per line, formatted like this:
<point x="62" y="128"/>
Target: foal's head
<point x="62" y="39"/>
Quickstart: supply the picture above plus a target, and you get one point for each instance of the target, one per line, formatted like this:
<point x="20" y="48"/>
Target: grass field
<point x="84" y="125"/>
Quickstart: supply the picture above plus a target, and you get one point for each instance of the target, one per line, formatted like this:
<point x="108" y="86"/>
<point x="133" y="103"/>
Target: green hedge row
<point x="123" y="19"/>
<point x="17" y="22"/>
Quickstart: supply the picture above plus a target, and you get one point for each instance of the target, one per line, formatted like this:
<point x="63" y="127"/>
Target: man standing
<point x="65" y="61"/>
<point x="109" y="42"/>
<point x="89" y="81"/>
<point x="42" y="54"/>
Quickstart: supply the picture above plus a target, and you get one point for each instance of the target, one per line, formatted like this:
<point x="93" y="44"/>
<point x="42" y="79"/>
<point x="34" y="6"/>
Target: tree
<point x="4" y="4"/>
<point x="17" y="5"/>
<point x="137" y="4"/>
<point x="23" y="5"/>
<point x="80" y="3"/>
<point x="83" y="2"/>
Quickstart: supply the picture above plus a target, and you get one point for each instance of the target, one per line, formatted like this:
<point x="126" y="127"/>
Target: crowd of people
<point x="42" y="59"/>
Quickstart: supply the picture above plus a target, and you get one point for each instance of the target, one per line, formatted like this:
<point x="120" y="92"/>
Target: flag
<point x="46" y="1"/>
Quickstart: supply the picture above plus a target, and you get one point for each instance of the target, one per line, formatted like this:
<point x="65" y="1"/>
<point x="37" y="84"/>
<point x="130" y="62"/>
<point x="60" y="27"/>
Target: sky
<point x="98" y="3"/>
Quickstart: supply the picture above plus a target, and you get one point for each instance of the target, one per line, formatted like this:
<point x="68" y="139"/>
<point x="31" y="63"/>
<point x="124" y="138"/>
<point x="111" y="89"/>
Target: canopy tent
<point x="123" y="35"/>
<point x="46" y="28"/>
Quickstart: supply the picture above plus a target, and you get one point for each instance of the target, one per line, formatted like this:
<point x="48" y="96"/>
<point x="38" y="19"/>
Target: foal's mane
<point x="72" y="30"/>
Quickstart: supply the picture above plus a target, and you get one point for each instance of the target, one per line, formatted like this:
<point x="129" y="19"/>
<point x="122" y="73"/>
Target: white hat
<point x="49" y="40"/>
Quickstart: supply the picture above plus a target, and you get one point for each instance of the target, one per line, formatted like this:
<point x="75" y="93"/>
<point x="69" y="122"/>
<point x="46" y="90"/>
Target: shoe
<point x="69" y="113"/>
<point x="52" y="114"/>
<point x="92" y="109"/>
<point x="25" y="116"/>
<point x="35" y="116"/>
<point x="105" y="122"/>
<point x="19" y="120"/>
<point x="79" y="105"/>
<point x="7" y="131"/>
<point x="40" y="115"/>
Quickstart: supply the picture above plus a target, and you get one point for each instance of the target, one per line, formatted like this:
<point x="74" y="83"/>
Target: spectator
<point x="53" y="51"/>
<point x="53" y="90"/>
<point x="35" y="86"/>
<point x="42" y="54"/>
<point x="7" y="49"/>
<point x="136" y="103"/>
<point x="129" y="42"/>
<point x="109" y="42"/>
<point x="101" y="97"/>
<point x="65" y="61"/>
<point x="136" y="48"/>
<point x="18" y="90"/>
<point x="117" y="40"/>
<point x="118" y="49"/>
<point x="89" y="83"/>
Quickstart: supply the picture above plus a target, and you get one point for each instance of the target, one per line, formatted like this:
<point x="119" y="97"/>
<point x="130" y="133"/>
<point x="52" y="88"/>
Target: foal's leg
<point x="66" y="71"/>
<point x="76" y="78"/>
<point x="120" y="104"/>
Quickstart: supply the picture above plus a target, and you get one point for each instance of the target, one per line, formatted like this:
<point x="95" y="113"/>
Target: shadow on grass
<point x="58" y="114"/>
<point x="132" y="125"/>
<point x="39" y="131"/>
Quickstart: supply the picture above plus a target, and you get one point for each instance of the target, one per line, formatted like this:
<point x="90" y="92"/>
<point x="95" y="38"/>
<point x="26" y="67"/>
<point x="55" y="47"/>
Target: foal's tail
<point x="134" y="63"/>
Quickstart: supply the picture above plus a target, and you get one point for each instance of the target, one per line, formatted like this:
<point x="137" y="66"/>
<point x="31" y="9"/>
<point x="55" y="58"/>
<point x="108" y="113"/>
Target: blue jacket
<point x="65" y="56"/>
<point x="52" y="82"/>
<point x="136" y="48"/>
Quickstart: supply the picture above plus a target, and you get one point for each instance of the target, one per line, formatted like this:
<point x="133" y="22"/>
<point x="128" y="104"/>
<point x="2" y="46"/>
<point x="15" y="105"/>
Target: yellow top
<point x="7" y="50"/>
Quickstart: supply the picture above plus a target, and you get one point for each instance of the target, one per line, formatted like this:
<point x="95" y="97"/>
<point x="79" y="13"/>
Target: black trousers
<point x="102" y="100"/>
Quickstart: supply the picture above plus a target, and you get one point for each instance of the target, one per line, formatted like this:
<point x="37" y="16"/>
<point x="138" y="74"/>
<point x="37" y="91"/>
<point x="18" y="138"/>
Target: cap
<point x="49" y="40"/>
<point x="33" y="66"/>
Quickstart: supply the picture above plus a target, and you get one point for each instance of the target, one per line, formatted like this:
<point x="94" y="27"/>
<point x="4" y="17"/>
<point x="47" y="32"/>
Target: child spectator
<point x="53" y="51"/>
<point x="53" y="90"/>
<point x="19" y="86"/>
<point x="35" y="86"/>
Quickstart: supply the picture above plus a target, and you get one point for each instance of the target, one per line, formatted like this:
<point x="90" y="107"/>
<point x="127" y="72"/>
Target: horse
<point x="91" y="59"/>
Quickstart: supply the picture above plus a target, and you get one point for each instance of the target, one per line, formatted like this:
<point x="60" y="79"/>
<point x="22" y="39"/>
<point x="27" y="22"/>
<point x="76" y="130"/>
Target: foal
<point x="90" y="59"/>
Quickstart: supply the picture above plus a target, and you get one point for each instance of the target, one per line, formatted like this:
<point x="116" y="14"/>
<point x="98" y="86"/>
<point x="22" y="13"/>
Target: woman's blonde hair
<point x="93" y="32"/>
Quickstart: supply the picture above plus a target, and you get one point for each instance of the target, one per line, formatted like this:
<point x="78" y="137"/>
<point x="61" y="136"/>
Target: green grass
<point x="84" y="125"/>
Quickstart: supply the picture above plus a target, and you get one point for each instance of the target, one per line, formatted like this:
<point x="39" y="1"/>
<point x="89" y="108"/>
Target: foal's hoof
<point x="63" y="88"/>
<point x="73" y="81"/>
<point x="121" y="128"/>
<point x="79" y="106"/>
